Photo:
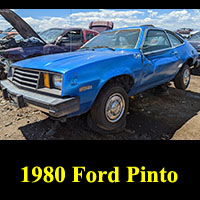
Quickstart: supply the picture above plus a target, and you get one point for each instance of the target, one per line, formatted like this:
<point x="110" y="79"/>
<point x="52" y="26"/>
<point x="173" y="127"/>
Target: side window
<point x="174" y="40"/>
<point x="155" y="40"/>
<point x="89" y="35"/>
<point x="73" y="36"/>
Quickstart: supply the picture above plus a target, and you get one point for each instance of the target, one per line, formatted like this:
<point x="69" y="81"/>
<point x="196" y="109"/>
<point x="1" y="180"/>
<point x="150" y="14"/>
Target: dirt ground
<point x="174" y="115"/>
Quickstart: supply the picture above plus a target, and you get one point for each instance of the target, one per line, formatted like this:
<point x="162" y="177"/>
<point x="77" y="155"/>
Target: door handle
<point x="174" y="53"/>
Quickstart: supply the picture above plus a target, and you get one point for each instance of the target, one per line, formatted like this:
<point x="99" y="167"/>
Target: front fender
<point x="96" y="75"/>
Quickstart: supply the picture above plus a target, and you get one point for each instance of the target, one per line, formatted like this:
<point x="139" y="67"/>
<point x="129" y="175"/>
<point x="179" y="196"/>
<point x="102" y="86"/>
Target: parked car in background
<point x="194" y="40"/>
<point x="5" y="36"/>
<point x="7" y="42"/>
<point x="32" y="44"/>
<point x="99" y="77"/>
<point x="184" y="32"/>
<point x="55" y="40"/>
<point x="101" y="26"/>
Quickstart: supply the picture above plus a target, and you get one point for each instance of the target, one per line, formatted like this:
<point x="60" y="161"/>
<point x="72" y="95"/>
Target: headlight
<point x="57" y="81"/>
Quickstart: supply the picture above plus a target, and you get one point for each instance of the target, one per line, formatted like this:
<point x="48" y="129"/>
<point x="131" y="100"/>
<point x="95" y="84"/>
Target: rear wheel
<point x="109" y="110"/>
<point x="182" y="79"/>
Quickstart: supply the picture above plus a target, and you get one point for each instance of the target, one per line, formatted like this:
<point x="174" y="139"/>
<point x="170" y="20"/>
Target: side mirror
<point x="61" y="40"/>
<point x="64" y="40"/>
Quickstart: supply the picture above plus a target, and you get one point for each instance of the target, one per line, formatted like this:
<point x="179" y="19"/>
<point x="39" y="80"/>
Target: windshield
<point x="51" y="35"/>
<point x="122" y="39"/>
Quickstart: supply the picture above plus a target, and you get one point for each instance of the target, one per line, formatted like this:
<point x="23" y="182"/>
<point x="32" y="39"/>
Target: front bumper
<point x="55" y="106"/>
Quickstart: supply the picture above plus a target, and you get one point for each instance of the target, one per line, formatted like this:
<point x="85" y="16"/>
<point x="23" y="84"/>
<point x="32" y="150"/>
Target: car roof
<point x="143" y="27"/>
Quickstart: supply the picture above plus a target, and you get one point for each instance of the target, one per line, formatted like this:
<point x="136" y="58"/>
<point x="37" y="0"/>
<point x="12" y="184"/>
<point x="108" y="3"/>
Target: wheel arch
<point x="189" y="61"/>
<point x="98" y="110"/>
<point x="192" y="62"/>
<point x="124" y="80"/>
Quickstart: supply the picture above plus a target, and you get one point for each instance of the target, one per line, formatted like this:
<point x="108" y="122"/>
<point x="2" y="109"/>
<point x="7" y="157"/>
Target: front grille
<point x="26" y="78"/>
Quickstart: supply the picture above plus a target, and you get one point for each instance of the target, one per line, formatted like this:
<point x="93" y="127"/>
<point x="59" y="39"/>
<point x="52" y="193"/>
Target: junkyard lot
<point x="173" y="115"/>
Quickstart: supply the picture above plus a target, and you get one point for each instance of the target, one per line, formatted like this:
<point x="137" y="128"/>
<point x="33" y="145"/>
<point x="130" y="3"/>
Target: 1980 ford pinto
<point x="99" y="77"/>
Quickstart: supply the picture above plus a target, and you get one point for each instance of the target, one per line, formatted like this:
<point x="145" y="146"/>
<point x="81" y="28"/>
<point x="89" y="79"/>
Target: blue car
<point x="99" y="78"/>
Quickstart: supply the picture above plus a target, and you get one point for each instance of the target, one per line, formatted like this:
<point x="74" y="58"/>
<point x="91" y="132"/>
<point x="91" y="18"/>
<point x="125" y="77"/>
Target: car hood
<point x="64" y="62"/>
<point x="19" y="24"/>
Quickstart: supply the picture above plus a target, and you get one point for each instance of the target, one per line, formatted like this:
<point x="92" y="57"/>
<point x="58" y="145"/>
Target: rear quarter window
<point x="174" y="39"/>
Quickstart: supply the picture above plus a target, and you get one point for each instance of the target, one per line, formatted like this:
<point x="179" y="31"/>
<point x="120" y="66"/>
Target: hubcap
<point x="186" y="77"/>
<point x="115" y="107"/>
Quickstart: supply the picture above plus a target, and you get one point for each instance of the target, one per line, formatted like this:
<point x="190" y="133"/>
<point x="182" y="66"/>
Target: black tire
<point x="109" y="110"/>
<point x="101" y="131"/>
<point x="180" y="81"/>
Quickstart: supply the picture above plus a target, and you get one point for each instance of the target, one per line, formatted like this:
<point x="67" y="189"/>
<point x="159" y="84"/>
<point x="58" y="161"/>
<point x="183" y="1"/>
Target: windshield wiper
<point x="98" y="47"/>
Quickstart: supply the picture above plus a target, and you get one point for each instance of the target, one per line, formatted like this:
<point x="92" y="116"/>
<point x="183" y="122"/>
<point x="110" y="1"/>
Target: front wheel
<point x="182" y="79"/>
<point x="110" y="109"/>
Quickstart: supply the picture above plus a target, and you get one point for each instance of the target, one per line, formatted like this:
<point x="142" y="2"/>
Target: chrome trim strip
<point x="157" y="51"/>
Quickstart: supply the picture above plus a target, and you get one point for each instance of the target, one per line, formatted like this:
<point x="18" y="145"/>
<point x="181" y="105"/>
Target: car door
<point x="72" y="40"/>
<point x="177" y="43"/>
<point x="160" y="60"/>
